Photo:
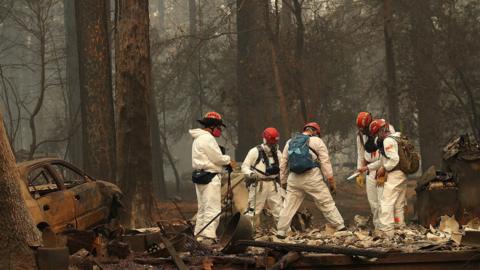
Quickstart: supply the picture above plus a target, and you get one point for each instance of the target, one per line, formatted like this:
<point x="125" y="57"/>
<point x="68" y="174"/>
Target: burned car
<point x="62" y="197"/>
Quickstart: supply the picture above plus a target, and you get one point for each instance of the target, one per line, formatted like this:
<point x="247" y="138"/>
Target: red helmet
<point x="271" y="135"/>
<point x="211" y="119"/>
<point x="376" y="125"/>
<point x="313" y="125"/>
<point x="363" y="120"/>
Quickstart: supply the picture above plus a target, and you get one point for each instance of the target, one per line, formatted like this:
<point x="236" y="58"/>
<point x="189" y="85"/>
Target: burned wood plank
<point x="173" y="253"/>
<point x="286" y="261"/>
<point x="371" y="253"/>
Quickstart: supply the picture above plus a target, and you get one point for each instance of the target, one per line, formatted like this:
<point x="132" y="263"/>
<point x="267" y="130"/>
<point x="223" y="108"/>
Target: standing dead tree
<point x="72" y="82"/>
<point x="426" y="84"/>
<point x="18" y="230"/>
<point x="133" y="94"/>
<point x="96" y="88"/>
<point x="392" y="95"/>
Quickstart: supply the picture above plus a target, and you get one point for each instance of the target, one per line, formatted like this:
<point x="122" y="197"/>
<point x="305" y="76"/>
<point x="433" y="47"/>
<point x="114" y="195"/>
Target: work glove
<point x="381" y="172"/>
<point x="251" y="179"/>
<point x="360" y="180"/>
<point x="380" y="181"/>
<point x="332" y="185"/>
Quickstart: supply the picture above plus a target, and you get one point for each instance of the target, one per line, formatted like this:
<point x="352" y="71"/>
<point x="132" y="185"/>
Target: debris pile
<point x="412" y="238"/>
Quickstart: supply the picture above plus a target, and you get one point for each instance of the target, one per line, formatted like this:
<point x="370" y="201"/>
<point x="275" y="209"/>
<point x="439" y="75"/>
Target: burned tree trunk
<point x="73" y="85"/>
<point x="96" y="88"/>
<point x="133" y="92"/>
<point x="158" y="174"/>
<point x="196" y="95"/>
<point x="18" y="230"/>
<point x="252" y="80"/>
<point x="426" y="85"/>
<point x="392" y="95"/>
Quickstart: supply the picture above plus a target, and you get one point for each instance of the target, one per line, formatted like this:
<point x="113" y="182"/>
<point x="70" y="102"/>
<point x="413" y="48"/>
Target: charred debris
<point x="447" y="234"/>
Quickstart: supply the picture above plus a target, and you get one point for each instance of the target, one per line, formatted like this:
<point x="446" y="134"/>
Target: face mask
<point x="217" y="132"/>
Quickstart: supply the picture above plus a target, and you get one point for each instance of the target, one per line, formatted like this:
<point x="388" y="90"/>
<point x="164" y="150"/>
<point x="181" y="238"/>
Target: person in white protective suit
<point x="310" y="181"/>
<point x="394" y="181"/>
<point x="261" y="167"/>
<point x="208" y="162"/>
<point x="367" y="153"/>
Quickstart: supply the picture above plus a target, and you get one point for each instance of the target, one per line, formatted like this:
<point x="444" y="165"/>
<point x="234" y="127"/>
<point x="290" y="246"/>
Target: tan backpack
<point x="409" y="159"/>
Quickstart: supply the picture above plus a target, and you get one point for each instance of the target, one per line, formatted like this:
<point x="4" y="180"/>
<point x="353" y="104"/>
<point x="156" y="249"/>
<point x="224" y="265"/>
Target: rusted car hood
<point x="109" y="189"/>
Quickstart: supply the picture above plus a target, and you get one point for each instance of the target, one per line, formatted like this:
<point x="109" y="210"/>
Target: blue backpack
<point x="299" y="158"/>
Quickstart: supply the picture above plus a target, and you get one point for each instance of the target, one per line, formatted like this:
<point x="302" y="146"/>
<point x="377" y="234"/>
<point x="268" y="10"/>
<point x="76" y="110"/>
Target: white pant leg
<point x="374" y="195"/>
<point x="392" y="191"/>
<point x="200" y="207"/>
<point x="256" y="198"/>
<point x="294" y="199"/>
<point x="399" y="209"/>
<point x="274" y="199"/>
<point x="209" y="200"/>
<point x="315" y="187"/>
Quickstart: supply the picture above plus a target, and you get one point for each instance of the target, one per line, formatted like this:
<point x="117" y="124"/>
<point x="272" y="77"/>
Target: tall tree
<point x="18" y="230"/>
<point x="252" y="80"/>
<point x="96" y="88"/>
<point x="392" y="95"/>
<point x="133" y="92"/>
<point x="75" y="147"/>
<point x="425" y="84"/>
<point x="158" y="173"/>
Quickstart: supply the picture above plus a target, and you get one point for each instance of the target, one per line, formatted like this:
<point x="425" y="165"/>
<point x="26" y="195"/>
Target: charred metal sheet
<point x="471" y="238"/>
<point x="462" y="158"/>
<point x="437" y="195"/>
<point x="432" y="204"/>
<point x="238" y="228"/>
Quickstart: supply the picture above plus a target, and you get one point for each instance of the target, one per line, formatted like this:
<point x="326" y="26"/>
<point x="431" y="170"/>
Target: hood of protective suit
<point x="206" y="154"/>
<point x="197" y="132"/>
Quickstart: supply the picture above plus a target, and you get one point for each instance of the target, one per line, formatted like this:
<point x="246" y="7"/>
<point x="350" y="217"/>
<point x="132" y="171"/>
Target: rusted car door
<point x="91" y="208"/>
<point x="56" y="204"/>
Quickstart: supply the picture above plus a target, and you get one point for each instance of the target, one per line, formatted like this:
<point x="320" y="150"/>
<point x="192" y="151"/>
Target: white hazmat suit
<point x="206" y="155"/>
<point x="374" y="192"/>
<point x="392" y="202"/>
<point x="311" y="183"/>
<point x="266" y="191"/>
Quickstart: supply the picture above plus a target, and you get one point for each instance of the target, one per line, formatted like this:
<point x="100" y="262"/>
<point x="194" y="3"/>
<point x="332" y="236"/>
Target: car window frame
<point x="68" y="166"/>
<point x="48" y="169"/>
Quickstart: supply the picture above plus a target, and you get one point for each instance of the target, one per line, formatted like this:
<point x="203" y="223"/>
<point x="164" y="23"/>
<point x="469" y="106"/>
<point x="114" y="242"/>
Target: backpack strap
<point x="261" y="152"/>
<point x="261" y="156"/>
<point x="317" y="159"/>
<point x="275" y="157"/>
<point x="315" y="152"/>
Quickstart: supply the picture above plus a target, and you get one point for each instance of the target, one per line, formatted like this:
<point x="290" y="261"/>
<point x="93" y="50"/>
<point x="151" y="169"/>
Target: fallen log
<point x="370" y="253"/>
